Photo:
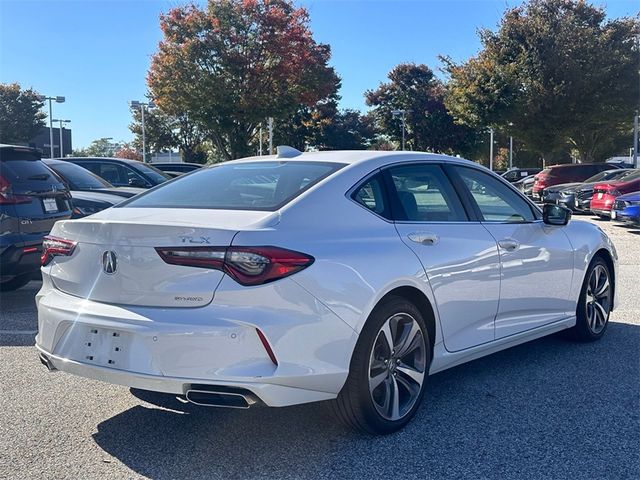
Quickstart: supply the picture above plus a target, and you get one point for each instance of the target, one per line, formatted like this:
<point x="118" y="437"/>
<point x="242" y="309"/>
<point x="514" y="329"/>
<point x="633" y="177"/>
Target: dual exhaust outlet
<point x="222" y="397"/>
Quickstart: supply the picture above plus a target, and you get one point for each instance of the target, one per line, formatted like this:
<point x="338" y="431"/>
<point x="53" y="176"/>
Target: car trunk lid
<point x="115" y="259"/>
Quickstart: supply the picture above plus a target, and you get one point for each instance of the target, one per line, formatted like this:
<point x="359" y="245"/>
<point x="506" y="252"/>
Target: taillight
<point x="246" y="265"/>
<point x="53" y="246"/>
<point x="7" y="196"/>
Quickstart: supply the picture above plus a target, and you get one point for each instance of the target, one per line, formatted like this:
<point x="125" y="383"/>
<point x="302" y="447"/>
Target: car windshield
<point x="607" y="175"/>
<point x="79" y="178"/>
<point x="261" y="185"/>
<point x="152" y="173"/>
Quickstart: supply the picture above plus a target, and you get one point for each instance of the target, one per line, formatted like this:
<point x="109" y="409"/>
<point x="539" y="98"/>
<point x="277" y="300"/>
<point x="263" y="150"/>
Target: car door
<point x="458" y="254"/>
<point x="536" y="259"/>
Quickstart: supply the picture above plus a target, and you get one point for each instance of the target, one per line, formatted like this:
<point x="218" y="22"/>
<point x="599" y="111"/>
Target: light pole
<point x="491" y="148"/>
<point x="61" y="127"/>
<point x="57" y="100"/>
<point x="635" y="118"/>
<point x="141" y="106"/>
<point x="400" y="112"/>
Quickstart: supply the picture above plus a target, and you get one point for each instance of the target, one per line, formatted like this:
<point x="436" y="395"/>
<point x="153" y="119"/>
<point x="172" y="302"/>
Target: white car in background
<point x="343" y="276"/>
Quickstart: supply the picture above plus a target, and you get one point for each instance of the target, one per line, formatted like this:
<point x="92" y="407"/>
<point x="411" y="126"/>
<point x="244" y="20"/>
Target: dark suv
<point x="32" y="199"/>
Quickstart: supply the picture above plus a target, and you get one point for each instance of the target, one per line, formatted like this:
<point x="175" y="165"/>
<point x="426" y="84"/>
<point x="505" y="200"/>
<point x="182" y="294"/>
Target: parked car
<point x="89" y="193"/>
<point x="517" y="174"/>
<point x="525" y="185"/>
<point x="80" y="179"/>
<point x="567" y="193"/>
<point x="238" y="284"/>
<point x="626" y="209"/>
<point x="604" y="194"/>
<point x="176" y="169"/>
<point x="32" y="199"/>
<point x="121" y="172"/>
<point x="574" y="172"/>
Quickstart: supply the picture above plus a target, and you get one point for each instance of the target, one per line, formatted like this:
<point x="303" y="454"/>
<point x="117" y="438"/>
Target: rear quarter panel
<point x="587" y="239"/>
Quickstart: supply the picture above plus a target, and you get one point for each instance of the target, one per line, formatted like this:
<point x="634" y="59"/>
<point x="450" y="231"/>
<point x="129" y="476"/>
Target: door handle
<point x="423" y="238"/>
<point x="508" y="244"/>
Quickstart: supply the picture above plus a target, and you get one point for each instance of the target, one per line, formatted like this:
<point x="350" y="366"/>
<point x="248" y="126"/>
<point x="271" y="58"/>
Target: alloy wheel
<point x="598" y="299"/>
<point x="397" y="366"/>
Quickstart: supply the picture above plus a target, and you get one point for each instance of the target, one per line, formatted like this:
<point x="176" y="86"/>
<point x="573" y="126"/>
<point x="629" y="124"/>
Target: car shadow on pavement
<point x="551" y="408"/>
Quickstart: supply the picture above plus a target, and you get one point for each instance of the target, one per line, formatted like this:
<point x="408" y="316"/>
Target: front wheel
<point x="595" y="302"/>
<point x="389" y="370"/>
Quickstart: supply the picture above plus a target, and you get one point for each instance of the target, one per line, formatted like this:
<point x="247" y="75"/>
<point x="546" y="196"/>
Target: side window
<point x="496" y="201"/>
<point x="424" y="194"/>
<point x="371" y="195"/>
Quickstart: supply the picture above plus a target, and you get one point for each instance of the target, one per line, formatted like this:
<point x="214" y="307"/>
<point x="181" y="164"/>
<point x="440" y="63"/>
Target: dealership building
<point x="42" y="142"/>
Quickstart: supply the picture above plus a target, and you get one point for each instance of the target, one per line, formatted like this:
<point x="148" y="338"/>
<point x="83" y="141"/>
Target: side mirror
<point x="555" y="214"/>
<point x="136" y="182"/>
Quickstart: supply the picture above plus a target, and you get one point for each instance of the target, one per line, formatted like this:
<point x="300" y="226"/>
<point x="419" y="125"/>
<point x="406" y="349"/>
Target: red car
<point x="572" y="172"/>
<point x="604" y="194"/>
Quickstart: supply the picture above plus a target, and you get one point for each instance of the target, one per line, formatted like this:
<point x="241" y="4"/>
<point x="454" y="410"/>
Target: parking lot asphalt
<point x="547" y="409"/>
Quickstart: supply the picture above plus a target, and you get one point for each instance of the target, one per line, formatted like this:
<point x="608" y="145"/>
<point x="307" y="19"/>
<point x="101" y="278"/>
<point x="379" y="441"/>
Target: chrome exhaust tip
<point x="47" y="363"/>
<point x="242" y="399"/>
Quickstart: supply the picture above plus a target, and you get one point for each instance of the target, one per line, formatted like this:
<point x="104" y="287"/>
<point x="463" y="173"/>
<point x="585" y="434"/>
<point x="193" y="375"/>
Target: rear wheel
<point x="15" y="283"/>
<point x="595" y="302"/>
<point x="389" y="370"/>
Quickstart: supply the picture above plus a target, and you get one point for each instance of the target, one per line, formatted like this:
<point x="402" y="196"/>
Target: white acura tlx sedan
<point x="342" y="276"/>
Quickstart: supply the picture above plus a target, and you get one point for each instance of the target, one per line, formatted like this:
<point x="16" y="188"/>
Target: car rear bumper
<point x="20" y="258"/>
<point x="601" y="212"/>
<point x="171" y="349"/>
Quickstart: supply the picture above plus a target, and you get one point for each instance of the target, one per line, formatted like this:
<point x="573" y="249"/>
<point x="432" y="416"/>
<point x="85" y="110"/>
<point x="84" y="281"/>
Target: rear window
<point x="26" y="171"/>
<point x="238" y="186"/>
<point x="79" y="178"/>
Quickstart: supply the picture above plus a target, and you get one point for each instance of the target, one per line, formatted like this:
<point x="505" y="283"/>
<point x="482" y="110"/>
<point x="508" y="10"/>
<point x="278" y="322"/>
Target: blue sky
<point x="97" y="52"/>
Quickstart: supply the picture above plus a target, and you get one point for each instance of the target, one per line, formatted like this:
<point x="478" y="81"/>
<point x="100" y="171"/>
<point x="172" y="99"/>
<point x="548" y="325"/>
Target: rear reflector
<point x="246" y="265"/>
<point x="53" y="246"/>
<point x="267" y="347"/>
<point x="29" y="249"/>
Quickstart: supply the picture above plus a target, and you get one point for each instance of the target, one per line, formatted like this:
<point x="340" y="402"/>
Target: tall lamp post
<point x="62" y="122"/>
<point x="57" y="100"/>
<point x="491" y="148"/>
<point x="141" y="106"/>
<point x="401" y="113"/>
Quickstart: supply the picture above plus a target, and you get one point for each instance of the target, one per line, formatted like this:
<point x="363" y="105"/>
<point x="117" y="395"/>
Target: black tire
<point x="588" y="329"/>
<point x="355" y="405"/>
<point x="15" y="283"/>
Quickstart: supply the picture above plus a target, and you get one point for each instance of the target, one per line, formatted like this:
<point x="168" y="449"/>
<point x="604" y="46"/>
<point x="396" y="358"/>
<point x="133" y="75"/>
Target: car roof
<point x="101" y="159"/>
<point x="354" y="157"/>
<point x="189" y="164"/>
<point x="52" y="161"/>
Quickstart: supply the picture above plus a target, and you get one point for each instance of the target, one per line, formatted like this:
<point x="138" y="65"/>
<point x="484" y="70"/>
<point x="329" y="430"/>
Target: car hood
<point x="564" y="186"/>
<point x="125" y="192"/>
<point x="95" y="196"/>
<point x="630" y="197"/>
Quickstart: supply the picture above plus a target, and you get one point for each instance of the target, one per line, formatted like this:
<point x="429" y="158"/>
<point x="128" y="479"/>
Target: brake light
<point x="7" y="196"/>
<point x="246" y="265"/>
<point x="53" y="247"/>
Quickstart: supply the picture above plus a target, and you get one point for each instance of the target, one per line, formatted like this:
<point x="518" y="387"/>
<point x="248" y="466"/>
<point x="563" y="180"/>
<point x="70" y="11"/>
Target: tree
<point x="429" y="127"/>
<point x="235" y="64"/>
<point x="158" y="130"/>
<point x="102" y="147"/>
<point x="164" y="132"/>
<point x="557" y="74"/>
<point x="21" y="115"/>
<point x="126" y="150"/>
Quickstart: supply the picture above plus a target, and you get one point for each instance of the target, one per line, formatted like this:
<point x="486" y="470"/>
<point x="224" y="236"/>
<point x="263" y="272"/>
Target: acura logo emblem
<point x="109" y="262"/>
